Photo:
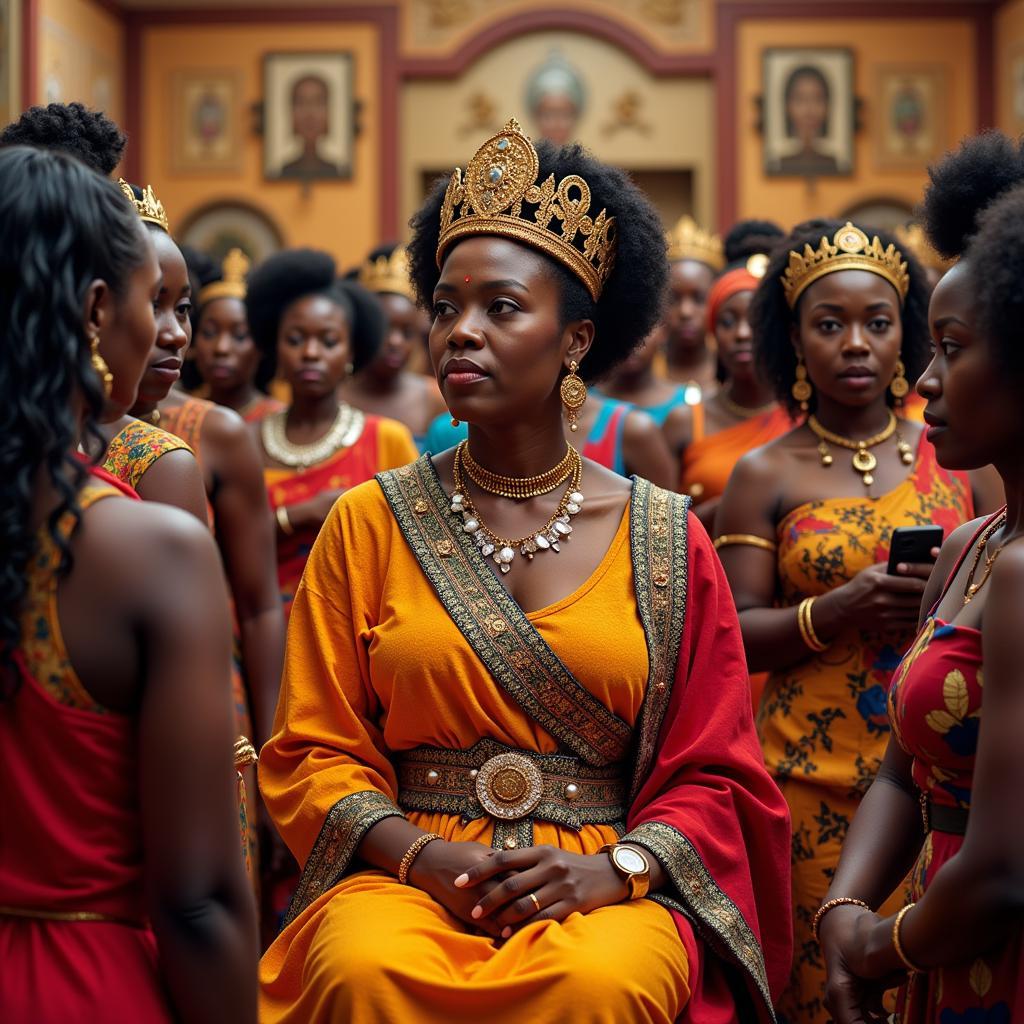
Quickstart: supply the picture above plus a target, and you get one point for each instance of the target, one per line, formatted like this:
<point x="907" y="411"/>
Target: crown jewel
<point x="500" y="195"/>
<point x="388" y="274"/>
<point x="232" y="283"/>
<point x="848" y="250"/>
<point x="689" y="241"/>
<point x="149" y="208"/>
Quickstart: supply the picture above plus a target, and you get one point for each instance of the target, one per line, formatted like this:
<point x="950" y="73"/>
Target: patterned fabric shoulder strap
<point x="134" y="449"/>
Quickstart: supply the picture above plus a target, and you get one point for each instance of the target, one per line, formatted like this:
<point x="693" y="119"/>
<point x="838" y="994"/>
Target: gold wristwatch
<point x="633" y="867"/>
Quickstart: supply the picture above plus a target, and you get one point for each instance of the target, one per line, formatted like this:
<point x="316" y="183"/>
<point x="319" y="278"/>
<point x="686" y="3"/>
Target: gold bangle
<point x="803" y="621"/>
<point x="283" y="521"/>
<point x="412" y="853"/>
<point x="839" y="901"/>
<point x="897" y="945"/>
<point x="749" y="539"/>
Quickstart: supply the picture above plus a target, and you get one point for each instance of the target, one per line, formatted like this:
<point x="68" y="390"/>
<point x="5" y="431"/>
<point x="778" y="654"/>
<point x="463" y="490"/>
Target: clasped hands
<point x="491" y="889"/>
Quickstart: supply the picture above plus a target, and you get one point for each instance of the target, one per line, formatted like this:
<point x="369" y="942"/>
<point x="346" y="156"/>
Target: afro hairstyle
<point x="772" y="319"/>
<point x="72" y="128"/>
<point x="294" y="274"/>
<point x="747" y="238"/>
<point x="634" y="295"/>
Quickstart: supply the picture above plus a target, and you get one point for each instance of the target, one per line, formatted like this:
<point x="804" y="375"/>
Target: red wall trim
<point x="385" y="19"/>
<point x="730" y="15"/>
<point x="29" y="52"/>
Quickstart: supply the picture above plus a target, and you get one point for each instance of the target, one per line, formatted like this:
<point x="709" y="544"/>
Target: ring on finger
<point x="536" y="902"/>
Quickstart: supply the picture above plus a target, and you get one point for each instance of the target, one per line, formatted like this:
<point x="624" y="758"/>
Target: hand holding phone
<point x="913" y="544"/>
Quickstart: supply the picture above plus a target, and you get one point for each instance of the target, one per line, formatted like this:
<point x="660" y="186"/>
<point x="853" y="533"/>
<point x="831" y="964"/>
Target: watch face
<point x="629" y="860"/>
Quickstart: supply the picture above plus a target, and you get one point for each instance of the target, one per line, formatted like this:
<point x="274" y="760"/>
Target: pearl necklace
<point x="343" y="433"/>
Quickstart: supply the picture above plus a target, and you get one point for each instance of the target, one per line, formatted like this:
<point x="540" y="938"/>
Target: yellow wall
<point x="944" y="42"/>
<point x="1009" y="64"/>
<point x="81" y="56"/>
<point x="341" y="217"/>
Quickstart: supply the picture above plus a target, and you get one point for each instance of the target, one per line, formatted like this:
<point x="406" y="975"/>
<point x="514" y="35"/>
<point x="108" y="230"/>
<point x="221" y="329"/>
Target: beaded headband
<point x="500" y="195"/>
<point x="388" y="275"/>
<point x="848" y="250"/>
<point x="149" y="208"/>
<point x="232" y="283"/>
<point x="688" y="241"/>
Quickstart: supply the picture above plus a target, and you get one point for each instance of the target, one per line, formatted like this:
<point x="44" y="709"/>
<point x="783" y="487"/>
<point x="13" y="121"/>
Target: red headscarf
<point x="731" y="282"/>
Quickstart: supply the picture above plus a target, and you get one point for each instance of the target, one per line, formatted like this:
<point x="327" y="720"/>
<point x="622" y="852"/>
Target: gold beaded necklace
<point x="972" y="588"/>
<point x="742" y="411"/>
<point x="864" y="461"/>
<point x="519" y="488"/>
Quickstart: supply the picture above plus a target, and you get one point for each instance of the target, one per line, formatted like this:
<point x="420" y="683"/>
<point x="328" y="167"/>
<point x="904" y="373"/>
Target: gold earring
<point x="574" y="394"/>
<point x="99" y="364"/>
<point x="801" y="389"/>
<point x="900" y="387"/>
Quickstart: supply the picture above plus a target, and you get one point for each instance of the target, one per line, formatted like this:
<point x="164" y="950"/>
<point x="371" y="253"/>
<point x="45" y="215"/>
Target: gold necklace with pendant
<point x="864" y="461"/>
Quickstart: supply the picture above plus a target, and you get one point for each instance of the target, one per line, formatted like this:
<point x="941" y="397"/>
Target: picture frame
<point x="206" y="111"/>
<point x="222" y="225"/>
<point x="1016" y="88"/>
<point x="10" y="59"/>
<point x="309" y="111"/>
<point x="909" y="128"/>
<point x="808" y="111"/>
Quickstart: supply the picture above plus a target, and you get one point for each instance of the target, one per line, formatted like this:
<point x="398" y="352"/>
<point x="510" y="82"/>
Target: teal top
<point x="684" y="394"/>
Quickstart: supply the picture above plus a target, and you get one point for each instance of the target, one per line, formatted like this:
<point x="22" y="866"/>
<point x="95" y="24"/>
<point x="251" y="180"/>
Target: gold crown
<point x="848" y="250"/>
<point x="149" y="208"/>
<point x="499" y="180"/>
<point x="912" y="237"/>
<point x="688" y="241"/>
<point x="232" y="283"/>
<point x="388" y="274"/>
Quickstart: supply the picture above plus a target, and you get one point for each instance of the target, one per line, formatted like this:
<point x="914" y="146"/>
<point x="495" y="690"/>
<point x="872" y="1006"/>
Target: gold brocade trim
<point x="496" y="628"/>
<point x="342" y="832"/>
<point x="718" y="919"/>
<point x="72" y="916"/>
<point x="658" y="541"/>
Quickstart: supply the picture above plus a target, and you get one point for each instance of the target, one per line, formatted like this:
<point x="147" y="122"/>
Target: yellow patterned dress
<point x="134" y="449"/>
<point x="823" y="722"/>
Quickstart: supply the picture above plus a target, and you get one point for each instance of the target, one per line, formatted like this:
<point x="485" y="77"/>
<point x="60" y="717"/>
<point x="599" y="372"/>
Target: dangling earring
<point x="574" y="394"/>
<point x="99" y="364"/>
<point x="456" y="423"/>
<point x="899" y="387"/>
<point x="801" y="389"/>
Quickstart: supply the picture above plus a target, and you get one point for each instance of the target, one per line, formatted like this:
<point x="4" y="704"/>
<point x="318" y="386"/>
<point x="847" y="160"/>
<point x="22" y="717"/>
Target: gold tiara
<point x="688" y="241"/>
<point x="149" y="208"/>
<point x="499" y="180"/>
<point x="388" y="274"/>
<point x="848" y="250"/>
<point x="232" y="283"/>
<point x="912" y="237"/>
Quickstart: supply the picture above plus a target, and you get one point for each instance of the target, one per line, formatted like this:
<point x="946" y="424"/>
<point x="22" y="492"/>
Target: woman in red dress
<point x="123" y="895"/>
<point x="948" y="793"/>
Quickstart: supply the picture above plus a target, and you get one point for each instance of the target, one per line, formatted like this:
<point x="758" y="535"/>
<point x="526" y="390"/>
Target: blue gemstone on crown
<point x="495" y="174"/>
<point x="502" y="145"/>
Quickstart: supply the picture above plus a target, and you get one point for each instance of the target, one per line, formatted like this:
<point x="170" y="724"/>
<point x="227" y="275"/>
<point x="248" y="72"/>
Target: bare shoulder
<point x="225" y="428"/>
<point x="639" y="426"/>
<point x="678" y="427"/>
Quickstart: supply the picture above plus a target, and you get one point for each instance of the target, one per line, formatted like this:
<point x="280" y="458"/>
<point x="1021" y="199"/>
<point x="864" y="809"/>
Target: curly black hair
<point x="963" y="184"/>
<point x="71" y="128"/>
<point x="291" y="275"/>
<point x="772" y="319"/>
<point x="747" y="238"/>
<point x="61" y="227"/>
<point x="633" y="298"/>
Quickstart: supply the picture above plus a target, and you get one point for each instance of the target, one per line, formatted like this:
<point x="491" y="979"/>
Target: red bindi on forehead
<point x="467" y="279"/>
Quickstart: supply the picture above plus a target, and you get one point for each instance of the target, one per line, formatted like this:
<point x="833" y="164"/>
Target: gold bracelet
<point x="412" y="853"/>
<point x="750" y="539"/>
<point x="283" y="521"/>
<point x="897" y="945"/>
<point x="839" y="901"/>
<point x="803" y="620"/>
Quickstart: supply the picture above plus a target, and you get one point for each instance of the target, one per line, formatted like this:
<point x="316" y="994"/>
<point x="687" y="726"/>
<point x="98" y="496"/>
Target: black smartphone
<point x="913" y="544"/>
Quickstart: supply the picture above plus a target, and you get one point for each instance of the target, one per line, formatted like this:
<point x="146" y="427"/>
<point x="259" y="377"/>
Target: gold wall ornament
<point x="232" y="283"/>
<point x="388" y="275"/>
<point x="500" y="195"/>
<point x="574" y="394"/>
<point x="688" y="241"/>
<point x="849" y="249"/>
<point x="99" y="364"/>
<point x="149" y="208"/>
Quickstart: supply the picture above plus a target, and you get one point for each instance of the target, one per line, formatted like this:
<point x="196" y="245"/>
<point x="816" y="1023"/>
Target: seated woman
<point x="488" y="751"/>
<point x="948" y="793"/>
<point x="123" y="895"/>
<point x="315" y="330"/>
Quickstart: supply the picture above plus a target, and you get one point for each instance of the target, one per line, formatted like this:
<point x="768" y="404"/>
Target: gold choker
<point x="519" y="488"/>
<point x="743" y="411"/>
<point x="346" y="429"/>
<point x="864" y="461"/>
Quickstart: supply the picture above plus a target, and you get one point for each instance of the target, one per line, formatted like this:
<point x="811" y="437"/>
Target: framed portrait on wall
<point x="308" y="116"/>
<point x="1016" y="89"/>
<point x="908" y="121"/>
<point x="223" y="225"/>
<point x="808" y="112"/>
<point x="205" y="112"/>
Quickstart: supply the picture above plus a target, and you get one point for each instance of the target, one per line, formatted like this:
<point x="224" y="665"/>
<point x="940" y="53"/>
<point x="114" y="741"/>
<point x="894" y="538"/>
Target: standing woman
<point x="487" y="752"/>
<point x="317" y="331"/>
<point x="386" y="386"/>
<point x="949" y="789"/>
<point x="804" y="529"/>
<point x="123" y="895"/>
<point x="231" y="370"/>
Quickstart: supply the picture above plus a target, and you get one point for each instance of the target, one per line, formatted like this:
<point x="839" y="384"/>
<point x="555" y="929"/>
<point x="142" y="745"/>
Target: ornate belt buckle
<point x="509" y="786"/>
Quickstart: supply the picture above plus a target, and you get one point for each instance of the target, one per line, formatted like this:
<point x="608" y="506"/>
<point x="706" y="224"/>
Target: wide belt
<point x="943" y="818"/>
<point x="512" y="786"/>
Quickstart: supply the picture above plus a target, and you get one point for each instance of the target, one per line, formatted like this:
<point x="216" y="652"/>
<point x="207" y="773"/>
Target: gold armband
<point x="839" y="901"/>
<point x="898" y="945"/>
<point x="750" y="539"/>
<point x="803" y="620"/>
